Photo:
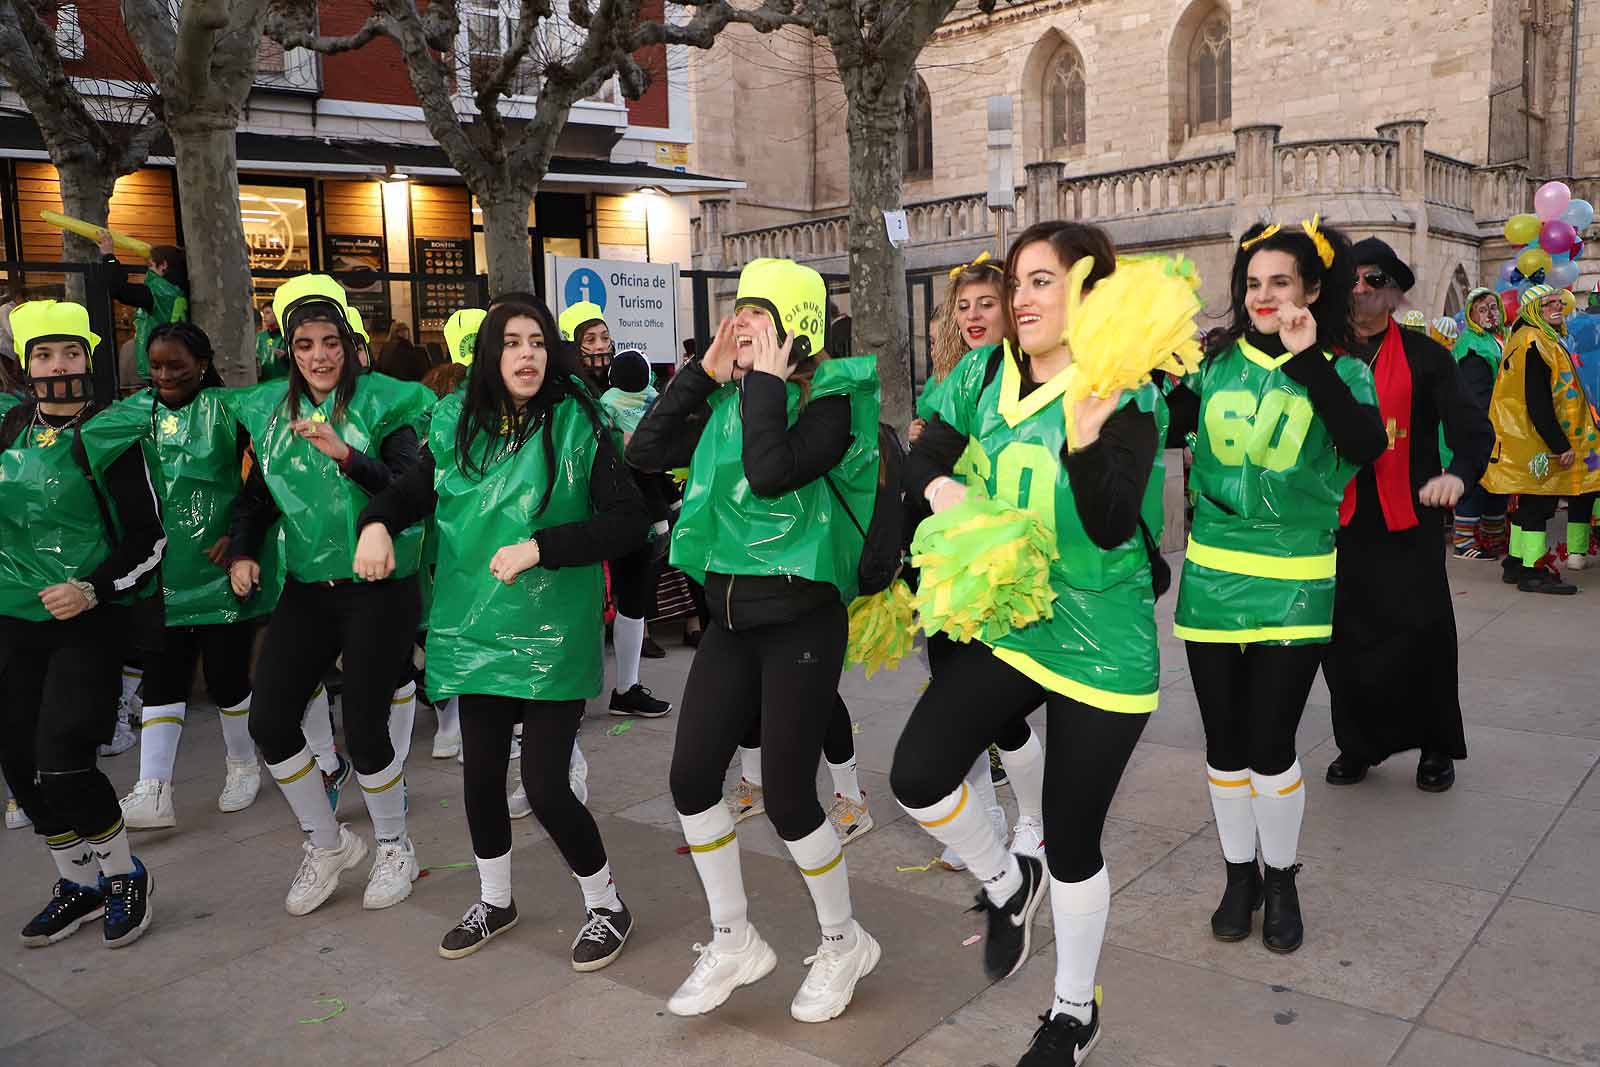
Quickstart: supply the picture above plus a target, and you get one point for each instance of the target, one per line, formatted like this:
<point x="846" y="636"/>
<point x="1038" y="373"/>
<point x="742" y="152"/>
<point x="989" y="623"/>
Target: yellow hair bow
<point x="1312" y="230"/>
<point x="983" y="257"/>
<point x="1262" y="236"/>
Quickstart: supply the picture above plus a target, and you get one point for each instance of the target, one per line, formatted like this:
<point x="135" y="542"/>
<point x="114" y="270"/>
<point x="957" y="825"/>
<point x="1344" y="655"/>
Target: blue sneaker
<point x="334" y="783"/>
<point x="127" y="902"/>
<point x="71" y="905"/>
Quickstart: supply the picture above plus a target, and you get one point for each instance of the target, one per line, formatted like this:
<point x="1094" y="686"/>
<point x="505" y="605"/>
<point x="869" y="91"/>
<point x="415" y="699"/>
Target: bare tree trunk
<point x="214" y="244"/>
<point x="505" y="239"/>
<point x="86" y="188"/>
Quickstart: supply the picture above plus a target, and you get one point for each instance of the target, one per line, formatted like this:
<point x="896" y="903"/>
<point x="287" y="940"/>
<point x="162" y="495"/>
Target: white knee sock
<point x="627" y="636"/>
<point x="494" y="880"/>
<point x="846" y="782"/>
<point x="1234" y="812"/>
<point x="820" y="858"/>
<point x="715" y="850"/>
<point x="302" y="787"/>
<point x="449" y="713"/>
<point x="961" y="823"/>
<point x="402" y="717"/>
<point x="236" y="732"/>
<point x="1025" y="772"/>
<point x="1279" y="805"/>
<point x="1079" y="910"/>
<point x="385" y="794"/>
<point x="982" y="784"/>
<point x="160" y="728"/>
<point x="318" y="728"/>
<point x="132" y="678"/>
<point x="750" y="765"/>
<point x="112" y="851"/>
<point x="599" y="889"/>
<point x="73" y="857"/>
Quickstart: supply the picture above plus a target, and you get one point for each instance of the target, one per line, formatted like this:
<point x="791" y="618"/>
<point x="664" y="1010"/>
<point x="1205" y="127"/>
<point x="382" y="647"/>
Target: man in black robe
<point x="1391" y="667"/>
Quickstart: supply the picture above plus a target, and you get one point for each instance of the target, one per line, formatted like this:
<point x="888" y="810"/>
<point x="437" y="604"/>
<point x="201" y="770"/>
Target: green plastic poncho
<point x="168" y="305"/>
<point x="726" y="528"/>
<point x="272" y="358"/>
<point x="541" y="637"/>
<point x="626" y="410"/>
<point x="319" y="504"/>
<point x="1488" y="345"/>
<point x="52" y="529"/>
<point x="8" y="401"/>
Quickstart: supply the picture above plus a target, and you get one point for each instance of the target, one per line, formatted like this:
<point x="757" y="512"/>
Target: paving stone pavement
<point x="1459" y="929"/>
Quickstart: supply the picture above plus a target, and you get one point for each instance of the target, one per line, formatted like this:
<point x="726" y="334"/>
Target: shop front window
<point x="277" y="227"/>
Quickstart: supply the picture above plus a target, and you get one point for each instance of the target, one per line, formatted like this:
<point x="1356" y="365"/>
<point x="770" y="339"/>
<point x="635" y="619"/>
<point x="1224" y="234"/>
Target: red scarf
<point x="1391" y="373"/>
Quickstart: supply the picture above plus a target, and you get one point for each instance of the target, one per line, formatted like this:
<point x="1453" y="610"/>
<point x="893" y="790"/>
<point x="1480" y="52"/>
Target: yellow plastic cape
<point x="1521" y="461"/>
<point x="985" y="570"/>
<point x="1138" y="320"/>
<point x="882" y="629"/>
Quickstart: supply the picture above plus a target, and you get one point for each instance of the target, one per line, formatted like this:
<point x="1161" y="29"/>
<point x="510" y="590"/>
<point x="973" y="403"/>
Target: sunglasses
<point x="1375" y="279"/>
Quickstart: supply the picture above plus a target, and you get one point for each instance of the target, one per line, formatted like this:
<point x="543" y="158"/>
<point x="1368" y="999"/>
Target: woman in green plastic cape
<point x="1280" y="428"/>
<point x="163" y="296"/>
<point x="199" y="473"/>
<point x="272" y="355"/>
<point x="529" y="496"/>
<point x="1084" y="473"/>
<point x="1480" y="531"/>
<point x="323" y="442"/>
<point x="780" y="440"/>
<point x="80" y="546"/>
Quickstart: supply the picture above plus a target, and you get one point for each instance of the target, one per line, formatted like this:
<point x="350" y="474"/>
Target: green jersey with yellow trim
<point x="1261" y="559"/>
<point x="1099" y="646"/>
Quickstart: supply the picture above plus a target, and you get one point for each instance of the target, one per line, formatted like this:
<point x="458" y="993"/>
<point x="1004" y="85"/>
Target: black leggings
<point x="787" y="675"/>
<point x="633" y="582"/>
<point x="838" y="744"/>
<point x="1251" y="698"/>
<point x="548" y="729"/>
<point x="373" y="624"/>
<point x="1534" y="512"/>
<point x="58" y="704"/>
<point x="970" y="699"/>
<point x="1010" y="735"/>
<point x="225" y="651"/>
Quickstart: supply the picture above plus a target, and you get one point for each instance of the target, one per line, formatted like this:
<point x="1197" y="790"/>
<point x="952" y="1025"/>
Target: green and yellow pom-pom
<point x="985" y="570"/>
<point x="882" y="629"/>
<point x="679" y="475"/>
<point x="1140" y="319"/>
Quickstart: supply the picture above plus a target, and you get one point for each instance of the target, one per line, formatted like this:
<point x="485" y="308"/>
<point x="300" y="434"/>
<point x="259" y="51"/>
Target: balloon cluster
<point x="1552" y="240"/>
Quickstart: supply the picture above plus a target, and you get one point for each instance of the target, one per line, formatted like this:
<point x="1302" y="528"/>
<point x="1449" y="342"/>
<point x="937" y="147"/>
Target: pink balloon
<point x="1556" y="237"/>
<point x="1551" y="200"/>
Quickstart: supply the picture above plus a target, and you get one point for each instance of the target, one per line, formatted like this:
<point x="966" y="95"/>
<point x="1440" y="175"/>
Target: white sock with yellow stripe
<point x="960" y="822"/>
<point x="1236" y="818"/>
<point x="1279" y="805"/>
<point x="820" y="857"/>
<point x="160" y="727"/>
<point x="402" y="717"/>
<point x="1079" y="911"/>
<point x="318" y="728"/>
<point x="715" y="850"/>
<point x="385" y="794"/>
<point x="236" y="732"/>
<point x="302" y="787"/>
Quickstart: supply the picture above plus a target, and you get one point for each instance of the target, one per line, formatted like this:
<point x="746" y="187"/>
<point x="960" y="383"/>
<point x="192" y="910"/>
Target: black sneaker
<point x="638" y="701"/>
<point x="71" y="905"/>
<point x="1062" y="1039"/>
<point x="997" y="769"/>
<point x="1545" y="580"/>
<point x="601" y="939"/>
<point x="1011" y="924"/>
<point x="481" y="924"/>
<point x="127" y="898"/>
<point x="650" y="650"/>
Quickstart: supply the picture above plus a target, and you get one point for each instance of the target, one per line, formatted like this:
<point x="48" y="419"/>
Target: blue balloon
<point x="1579" y="214"/>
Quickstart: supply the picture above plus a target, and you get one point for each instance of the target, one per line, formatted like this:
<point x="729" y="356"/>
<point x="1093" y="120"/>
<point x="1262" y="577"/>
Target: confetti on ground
<point x="925" y="867"/>
<point x="855" y="728"/>
<point x="446" y="867"/>
<point x="333" y="1002"/>
<point x="620" y="729"/>
<point x="444" y="803"/>
<point x="973" y="940"/>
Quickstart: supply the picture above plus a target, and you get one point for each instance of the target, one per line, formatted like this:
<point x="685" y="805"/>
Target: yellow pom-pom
<point x="882" y="629"/>
<point x="1140" y="319"/>
<point x="985" y="570"/>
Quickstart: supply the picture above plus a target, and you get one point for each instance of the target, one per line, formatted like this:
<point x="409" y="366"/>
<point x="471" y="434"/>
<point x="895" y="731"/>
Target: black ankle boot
<point x="1281" y="927"/>
<point x="1231" y="921"/>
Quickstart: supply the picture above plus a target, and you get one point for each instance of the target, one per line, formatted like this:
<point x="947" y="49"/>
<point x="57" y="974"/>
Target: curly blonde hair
<point x="949" y="344"/>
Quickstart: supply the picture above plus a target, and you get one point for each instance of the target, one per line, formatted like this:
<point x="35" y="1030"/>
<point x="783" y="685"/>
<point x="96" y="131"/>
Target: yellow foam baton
<point x="92" y="232"/>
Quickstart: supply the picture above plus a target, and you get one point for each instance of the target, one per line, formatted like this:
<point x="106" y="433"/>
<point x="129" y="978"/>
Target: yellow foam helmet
<point x="578" y="316"/>
<point x="461" y="334"/>
<point x="795" y="296"/>
<point x="307" y="289"/>
<point x="1415" y="320"/>
<point x="51" y="320"/>
<point x="352" y="315"/>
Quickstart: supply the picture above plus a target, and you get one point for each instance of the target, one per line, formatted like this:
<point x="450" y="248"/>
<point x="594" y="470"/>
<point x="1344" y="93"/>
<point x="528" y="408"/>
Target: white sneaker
<point x="446" y="745"/>
<point x="718" y="972"/>
<point x="950" y="861"/>
<point x="1575" y="562"/>
<point x="16" y="818"/>
<point x="149" y="806"/>
<point x="319" y="872"/>
<point x="517" y="804"/>
<point x="1027" y="838"/>
<point x="827" y="990"/>
<point x="578" y="779"/>
<point x="745" y="800"/>
<point x="393" y="870"/>
<point x="125" y="738"/>
<point x="242" y="784"/>
<point x="850" y="819"/>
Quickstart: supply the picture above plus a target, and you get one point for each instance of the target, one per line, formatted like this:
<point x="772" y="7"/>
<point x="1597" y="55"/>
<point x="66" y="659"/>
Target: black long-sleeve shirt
<point x="124" y="291"/>
<point x="1540" y="401"/>
<point x="617" y="527"/>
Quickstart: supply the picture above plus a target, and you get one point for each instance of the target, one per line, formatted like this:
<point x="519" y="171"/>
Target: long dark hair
<point x="349" y="371"/>
<point x="1071" y="241"/>
<point x="177" y="264"/>
<point x="488" y="408"/>
<point x="195" y="340"/>
<point x="1334" y="282"/>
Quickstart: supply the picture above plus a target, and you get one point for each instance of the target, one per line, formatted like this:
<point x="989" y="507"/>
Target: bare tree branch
<point x="293" y="24"/>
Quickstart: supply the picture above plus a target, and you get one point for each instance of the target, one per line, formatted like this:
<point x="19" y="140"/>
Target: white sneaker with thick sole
<point x="850" y="818"/>
<point x="1027" y="838"/>
<point x="827" y="990"/>
<point x="393" y="870"/>
<point x="319" y="872"/>
<point x="1576" y="562"/>
<point x="149" y="806"/>
<point x="125" y="738"/>
<point x="718" y="972"/>
<point x="517" y="803"/>
<point x="16" y="818"/>
<point x="446" y="746"/>
<point x="241" y="786"/>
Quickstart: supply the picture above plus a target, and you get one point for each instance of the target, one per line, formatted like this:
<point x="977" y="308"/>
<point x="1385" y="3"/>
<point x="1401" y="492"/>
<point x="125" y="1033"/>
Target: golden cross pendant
<point x="1394" y="432"/>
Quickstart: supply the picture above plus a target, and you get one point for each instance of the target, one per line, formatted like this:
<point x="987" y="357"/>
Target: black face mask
<point x="63" y="388"/>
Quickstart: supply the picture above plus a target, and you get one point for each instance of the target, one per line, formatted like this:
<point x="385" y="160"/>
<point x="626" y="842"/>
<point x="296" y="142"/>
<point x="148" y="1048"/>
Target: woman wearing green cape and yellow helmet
<point x="80" y="543"/>
<point x="324" y="441"/>
<point x="780" y="440"/>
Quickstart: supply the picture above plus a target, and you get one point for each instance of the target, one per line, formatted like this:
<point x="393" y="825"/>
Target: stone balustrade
<point x="1447" y="182"/>
<point x="1183" y="184"/>
<point x="1342" y="165"/>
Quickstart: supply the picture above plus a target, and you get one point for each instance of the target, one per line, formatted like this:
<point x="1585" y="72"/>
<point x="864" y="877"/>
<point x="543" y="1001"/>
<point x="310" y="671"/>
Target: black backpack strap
<point x="840" y="498"/>
<point x="1160" y="569"/>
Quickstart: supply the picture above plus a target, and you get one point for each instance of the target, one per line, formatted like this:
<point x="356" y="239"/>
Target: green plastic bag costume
<point x="539" y="638"/>
<point x="168" y="305"/>
<point x="8" y="401"/>
<point x="1261" y="560"/>
<point x="319" y="504"/>
<point x="1488" y="345"/>
<point x="726" y="528"/>
<point x="272" y="357"/>
<point x="929" y="399"/>
<point x="197" y="476"/>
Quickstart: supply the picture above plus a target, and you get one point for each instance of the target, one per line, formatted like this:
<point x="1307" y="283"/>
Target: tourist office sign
<point x="640" y="300"/>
